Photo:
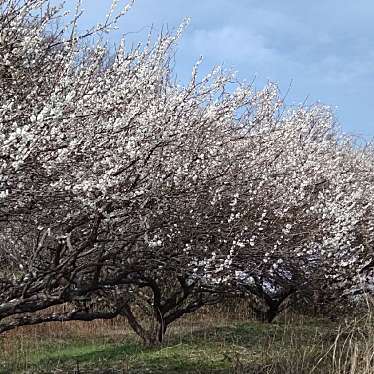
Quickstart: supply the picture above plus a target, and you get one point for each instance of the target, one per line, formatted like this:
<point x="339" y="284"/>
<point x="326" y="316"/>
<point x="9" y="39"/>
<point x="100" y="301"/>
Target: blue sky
<point x="325" y="48"/>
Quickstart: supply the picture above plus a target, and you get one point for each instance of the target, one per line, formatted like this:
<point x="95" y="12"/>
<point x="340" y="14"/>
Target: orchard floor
<point x="197" y="344"/>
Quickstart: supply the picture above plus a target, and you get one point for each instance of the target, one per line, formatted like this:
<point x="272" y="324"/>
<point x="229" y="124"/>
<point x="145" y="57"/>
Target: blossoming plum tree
<point x="89" y="152"/>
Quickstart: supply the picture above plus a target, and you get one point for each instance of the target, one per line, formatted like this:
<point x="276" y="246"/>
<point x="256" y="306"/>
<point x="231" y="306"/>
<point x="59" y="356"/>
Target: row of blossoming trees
<point x="123" y="193"/>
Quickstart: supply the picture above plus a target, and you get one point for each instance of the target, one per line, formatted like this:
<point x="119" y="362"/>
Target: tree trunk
<point x="151" y="337"/>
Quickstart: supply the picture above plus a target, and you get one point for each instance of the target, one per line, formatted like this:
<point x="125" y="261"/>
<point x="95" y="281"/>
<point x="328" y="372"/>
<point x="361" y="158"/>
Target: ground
<point x="197" y="344"/>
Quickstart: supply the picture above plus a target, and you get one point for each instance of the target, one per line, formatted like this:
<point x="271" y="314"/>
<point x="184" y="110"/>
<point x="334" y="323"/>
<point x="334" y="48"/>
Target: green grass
<point x="191" y="347"/>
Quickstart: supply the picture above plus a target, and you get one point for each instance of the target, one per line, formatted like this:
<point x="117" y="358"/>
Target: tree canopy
<point x="120" y="187"/>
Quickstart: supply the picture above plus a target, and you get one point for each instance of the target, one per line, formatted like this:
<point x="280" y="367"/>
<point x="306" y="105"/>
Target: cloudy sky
<point x="324" y="49"/>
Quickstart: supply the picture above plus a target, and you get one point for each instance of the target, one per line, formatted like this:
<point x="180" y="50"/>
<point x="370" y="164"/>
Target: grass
<point x="198" y="344"/>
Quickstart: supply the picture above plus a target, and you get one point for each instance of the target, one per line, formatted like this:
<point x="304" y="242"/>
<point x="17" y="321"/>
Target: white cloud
<point x="230" y="44"/>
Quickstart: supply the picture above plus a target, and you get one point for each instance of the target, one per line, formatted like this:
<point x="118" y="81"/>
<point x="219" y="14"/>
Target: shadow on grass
<point x="82" y="353"/>
<point x="130" y="358"/>
<point x="50" y="357"/>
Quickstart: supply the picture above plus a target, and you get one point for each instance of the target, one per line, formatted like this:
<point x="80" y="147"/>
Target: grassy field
<point x="197" y="344"/>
